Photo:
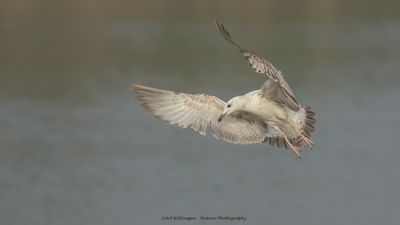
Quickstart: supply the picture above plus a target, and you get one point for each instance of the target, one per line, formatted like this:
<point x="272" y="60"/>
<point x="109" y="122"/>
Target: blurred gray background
<point x="76" y="149"/>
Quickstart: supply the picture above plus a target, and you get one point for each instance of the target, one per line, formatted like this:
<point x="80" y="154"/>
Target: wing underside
<point x="199" y="112"/>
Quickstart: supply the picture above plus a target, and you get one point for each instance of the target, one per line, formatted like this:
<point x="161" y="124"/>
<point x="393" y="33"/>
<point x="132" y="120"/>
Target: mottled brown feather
<point x="263" y="66"/>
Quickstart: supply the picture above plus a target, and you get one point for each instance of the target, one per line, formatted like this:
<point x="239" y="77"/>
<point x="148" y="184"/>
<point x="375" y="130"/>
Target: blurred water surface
<point x="76" y="149"/>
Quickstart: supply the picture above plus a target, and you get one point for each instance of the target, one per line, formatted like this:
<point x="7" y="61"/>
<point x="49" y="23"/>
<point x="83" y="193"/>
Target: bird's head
<point x="231" y="106"/>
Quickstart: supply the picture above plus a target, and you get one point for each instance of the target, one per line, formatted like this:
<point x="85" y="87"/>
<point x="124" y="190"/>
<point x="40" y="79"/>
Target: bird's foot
<point x="307" y="141"/>
<point x="294" y="149"/>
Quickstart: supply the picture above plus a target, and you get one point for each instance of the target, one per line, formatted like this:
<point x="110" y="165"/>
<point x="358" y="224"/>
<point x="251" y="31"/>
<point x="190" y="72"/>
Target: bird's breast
<point x="268" y="111"/>
<point x="274" y="114"/>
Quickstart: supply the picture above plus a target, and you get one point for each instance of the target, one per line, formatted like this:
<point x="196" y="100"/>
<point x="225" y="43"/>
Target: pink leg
<point x="309" y="143"/>
<point x="294" y="149"/>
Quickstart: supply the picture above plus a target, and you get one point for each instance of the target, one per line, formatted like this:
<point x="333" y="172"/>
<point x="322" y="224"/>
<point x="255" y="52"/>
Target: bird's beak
<point x="221" y="116"/>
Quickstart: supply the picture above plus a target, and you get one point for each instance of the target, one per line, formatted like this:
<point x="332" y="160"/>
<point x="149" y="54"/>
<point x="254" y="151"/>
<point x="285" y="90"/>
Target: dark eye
<point x="229" y="105"/>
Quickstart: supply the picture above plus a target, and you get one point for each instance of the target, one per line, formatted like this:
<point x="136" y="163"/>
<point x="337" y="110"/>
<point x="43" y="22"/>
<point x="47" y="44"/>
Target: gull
<point x="271" y="114"/>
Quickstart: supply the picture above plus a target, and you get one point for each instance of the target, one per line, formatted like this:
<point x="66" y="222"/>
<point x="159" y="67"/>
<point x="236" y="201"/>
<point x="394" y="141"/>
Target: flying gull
<point x="271" y="114"/>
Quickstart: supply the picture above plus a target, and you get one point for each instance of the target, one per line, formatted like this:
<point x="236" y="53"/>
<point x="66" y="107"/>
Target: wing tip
<point x="137" y="87"/>
<point x="140" y="89"/>
<point x="146" y="95"/>
<point x="225" y="34"/>
<point x="218" y="24"/>
<point x="221" y="29"/>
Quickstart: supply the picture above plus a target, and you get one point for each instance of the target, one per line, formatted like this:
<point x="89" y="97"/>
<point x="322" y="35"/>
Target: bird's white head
<point x="231" y="106"/>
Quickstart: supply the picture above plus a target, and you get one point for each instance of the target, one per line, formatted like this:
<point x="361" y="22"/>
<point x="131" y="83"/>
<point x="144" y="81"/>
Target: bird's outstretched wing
<point x="263" y="66"/>
<point x="199" y="112"/>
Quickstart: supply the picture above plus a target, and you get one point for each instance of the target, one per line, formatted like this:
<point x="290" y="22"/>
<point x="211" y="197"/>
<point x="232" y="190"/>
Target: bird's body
<point x="270" y="114"/>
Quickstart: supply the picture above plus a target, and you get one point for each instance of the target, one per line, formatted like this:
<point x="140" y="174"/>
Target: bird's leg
<point x="294" y="149"/>
<point x="309" y="143"/>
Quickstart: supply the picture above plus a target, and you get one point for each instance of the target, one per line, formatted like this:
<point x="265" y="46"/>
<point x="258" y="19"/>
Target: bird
<point x="271" y="114"/>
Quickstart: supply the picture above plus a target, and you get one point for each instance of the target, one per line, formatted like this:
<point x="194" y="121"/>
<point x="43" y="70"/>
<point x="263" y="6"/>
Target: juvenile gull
<point x="271" y="114"/>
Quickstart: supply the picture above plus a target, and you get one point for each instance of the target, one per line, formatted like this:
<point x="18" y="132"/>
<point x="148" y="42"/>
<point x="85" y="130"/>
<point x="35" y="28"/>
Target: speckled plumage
<point x="271" y="114"/>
